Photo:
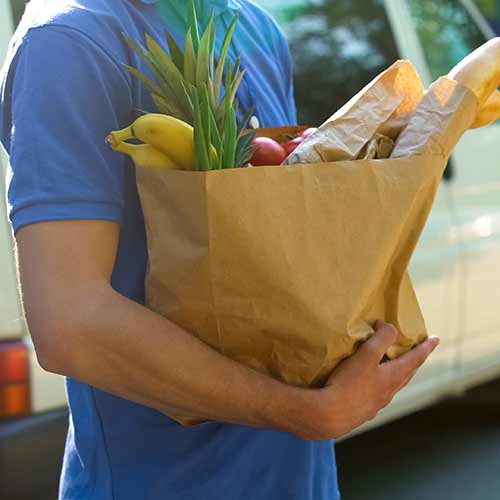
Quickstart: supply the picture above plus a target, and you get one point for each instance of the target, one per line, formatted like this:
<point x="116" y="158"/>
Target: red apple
<point x="292" y="145"/>
<point x="267" y="151"/>
<point x="308" y="132"/>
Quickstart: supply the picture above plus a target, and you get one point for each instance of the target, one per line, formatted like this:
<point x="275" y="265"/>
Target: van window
<point x="338" y="47"/>
<point x="447" y="33"/>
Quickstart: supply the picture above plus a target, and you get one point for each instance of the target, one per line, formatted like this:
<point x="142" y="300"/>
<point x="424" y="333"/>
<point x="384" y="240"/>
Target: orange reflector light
<point x="14" y="363"/>
<point x="15" y="399"/>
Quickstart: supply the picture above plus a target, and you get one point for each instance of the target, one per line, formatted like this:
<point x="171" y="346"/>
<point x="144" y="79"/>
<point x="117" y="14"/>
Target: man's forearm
<point x="125" y="349"/>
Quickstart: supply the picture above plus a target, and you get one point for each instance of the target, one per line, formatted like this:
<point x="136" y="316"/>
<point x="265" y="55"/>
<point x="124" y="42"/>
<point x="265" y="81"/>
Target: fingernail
<point x="435" y="341"/>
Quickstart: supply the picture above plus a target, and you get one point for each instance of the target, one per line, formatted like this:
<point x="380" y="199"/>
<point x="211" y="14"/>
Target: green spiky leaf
<point x="244" y="148"/>
<point x="245" y="120"/>
<point x="193" y="26"/>
<point x="175" y="52"/>
<point x="203" y="59"/>
<point x="230" y="140"/>
<point x="205" y="116"/>
<point x="216" y="137"/>
<point x="212" y="51"/>
<point x="146" y="56"/>
<point x="189" y="60"/>
<point x="166" y="73"/>
<point x="167" y="107"/>
<point x="230" y="127"/>
<point x="200" y="144"/>
<point x="144" y="79"/>
<point x="236" y="69"/>
<point x="219" y="72"/>
<point x="235" y="85"/>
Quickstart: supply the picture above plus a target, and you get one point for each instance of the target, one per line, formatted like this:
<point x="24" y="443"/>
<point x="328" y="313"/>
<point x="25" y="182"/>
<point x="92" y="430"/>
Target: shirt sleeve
<point x="292" y="109"/>
<point x="286" y="57"/>
<point x="62" y="94"/>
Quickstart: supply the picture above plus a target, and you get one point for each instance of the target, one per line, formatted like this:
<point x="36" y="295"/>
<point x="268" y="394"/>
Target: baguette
<point x="489" y="112"/>
<point x="480" y="72"/>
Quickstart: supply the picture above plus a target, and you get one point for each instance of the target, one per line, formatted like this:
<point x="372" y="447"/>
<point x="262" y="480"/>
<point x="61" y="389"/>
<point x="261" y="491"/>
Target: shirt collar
<point x="219" y="6"/>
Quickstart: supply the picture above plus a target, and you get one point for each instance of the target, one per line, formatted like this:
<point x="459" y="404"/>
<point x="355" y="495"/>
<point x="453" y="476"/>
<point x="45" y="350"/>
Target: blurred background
<point x="441" y="436"/>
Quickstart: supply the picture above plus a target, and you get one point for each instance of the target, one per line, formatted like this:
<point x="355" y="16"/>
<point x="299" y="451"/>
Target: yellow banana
<point x="145" y="155"/>
<point x="167" y="134"/>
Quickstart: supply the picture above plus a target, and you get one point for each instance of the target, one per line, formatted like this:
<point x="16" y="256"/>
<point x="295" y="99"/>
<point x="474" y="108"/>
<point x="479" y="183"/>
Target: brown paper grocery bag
<point x="285" y="269"/>
<point x="446" y="112"/>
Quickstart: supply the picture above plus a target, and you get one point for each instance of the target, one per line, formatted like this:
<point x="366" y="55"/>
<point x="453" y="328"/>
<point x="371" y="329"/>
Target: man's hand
<point x="362" y="385"/>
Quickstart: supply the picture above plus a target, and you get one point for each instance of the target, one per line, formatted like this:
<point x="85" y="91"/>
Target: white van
<point x="338" y="46"/>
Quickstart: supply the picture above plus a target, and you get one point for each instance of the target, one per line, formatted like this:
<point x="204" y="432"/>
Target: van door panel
<point x="447" y="31"/>
<point x="477" y="197"/>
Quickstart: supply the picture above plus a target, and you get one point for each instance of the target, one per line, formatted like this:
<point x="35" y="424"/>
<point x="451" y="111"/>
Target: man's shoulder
<point x="93" y="24"/>
<point x="99" y="22"/>
<point x="264" y="26"/>
<point x="256" y="11"/>
<point x="54" y="31"/>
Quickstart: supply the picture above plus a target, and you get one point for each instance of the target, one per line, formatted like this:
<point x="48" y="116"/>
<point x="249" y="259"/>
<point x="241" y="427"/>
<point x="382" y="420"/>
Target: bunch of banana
<point x="167" y="142"/>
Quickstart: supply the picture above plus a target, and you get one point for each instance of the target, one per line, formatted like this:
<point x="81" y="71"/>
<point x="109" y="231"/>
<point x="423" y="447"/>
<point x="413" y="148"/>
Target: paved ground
<point x="449" y="452"/>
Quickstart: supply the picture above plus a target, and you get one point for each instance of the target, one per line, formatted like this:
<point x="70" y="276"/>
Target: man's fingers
<point x="406" y="381"/>
<point x="375" y="348"/>
<point x="406" y="365"/>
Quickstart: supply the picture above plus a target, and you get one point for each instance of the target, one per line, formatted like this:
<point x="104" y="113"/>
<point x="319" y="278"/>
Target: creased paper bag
<point x="285" y="269"/>
<point x="384" y="106"/>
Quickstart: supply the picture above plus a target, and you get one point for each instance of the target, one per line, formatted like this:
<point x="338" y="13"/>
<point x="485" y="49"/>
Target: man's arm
<point x="84" y="329"/>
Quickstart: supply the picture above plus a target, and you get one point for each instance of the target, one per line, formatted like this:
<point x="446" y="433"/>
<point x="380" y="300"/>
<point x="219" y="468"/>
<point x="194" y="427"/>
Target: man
<point x="82" y="258"/>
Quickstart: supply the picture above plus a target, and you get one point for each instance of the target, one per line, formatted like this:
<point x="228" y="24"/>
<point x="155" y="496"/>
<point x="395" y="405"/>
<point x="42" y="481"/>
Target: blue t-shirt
<point x="63" y="89"/>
